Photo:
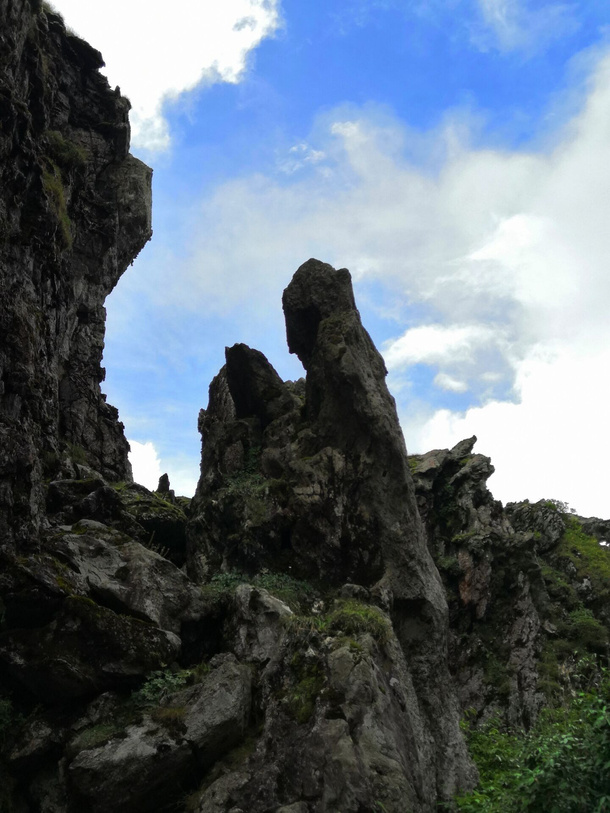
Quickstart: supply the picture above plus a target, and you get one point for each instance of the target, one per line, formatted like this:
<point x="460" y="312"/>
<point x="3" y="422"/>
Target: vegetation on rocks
<point x="293" y="646"/>
<point x="590" y="559"/>
<point x="64" y="152"/>
<point x="346" y="617"/>
<point x="561" y="766"/>
<point x="160" y="684"/>
<point x="56" y="195"/>
<point x="296" y="593"/>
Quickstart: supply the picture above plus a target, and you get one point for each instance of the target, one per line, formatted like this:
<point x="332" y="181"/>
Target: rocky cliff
<point x="304" y="635"/>
<point x="75" y="210"/>
<point x="312" y="479"/>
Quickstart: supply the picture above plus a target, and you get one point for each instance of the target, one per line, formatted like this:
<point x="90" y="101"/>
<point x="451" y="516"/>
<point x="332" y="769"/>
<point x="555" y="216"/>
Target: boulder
<point x="144" y="766"/>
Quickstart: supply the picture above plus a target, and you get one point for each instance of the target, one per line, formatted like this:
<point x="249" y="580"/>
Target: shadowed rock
<point x="315" y="481"/>
<point x="75" y="209"/>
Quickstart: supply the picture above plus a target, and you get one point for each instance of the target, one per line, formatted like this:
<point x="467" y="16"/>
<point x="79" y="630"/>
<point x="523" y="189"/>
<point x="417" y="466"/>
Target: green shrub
<point x="561" y="766"/>
<point x="296" y="593"/>
<point x="163" y="683"/>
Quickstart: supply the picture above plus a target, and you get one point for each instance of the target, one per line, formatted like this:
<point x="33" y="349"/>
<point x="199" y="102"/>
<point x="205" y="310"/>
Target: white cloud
<point x="299" y="156"/>
<point x="145" y="463"/>
<point x="436" y="344"/>
<point x="446" y="382"/>
<point x="157" y="53"/>
<point x="515" y="25"/>
<point x="505" y="255"/>
<point x="553" y="443"/>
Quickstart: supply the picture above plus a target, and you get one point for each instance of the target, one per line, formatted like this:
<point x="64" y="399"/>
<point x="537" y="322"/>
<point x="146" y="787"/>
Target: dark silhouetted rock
<point x="285" y="642"/>
<point x="75" y="209"/>
<point x="314" y="481"/>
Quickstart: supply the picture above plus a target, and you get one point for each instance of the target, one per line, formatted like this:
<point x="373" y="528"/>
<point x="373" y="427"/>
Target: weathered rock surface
<point x="519" y="582"/>
<point x="85" y="650"/>
<point x="75" y="209"/>
<point x="284" y="643"/>
<point x="144" y="767"/>
<point x="314" y="480"/>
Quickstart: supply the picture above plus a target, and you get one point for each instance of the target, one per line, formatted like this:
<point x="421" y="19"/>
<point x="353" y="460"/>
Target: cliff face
<point x="527" y="587"/>
<point x="303" y="635"/>
<point x="312" y="479"/>
<point x="75" y="210"/>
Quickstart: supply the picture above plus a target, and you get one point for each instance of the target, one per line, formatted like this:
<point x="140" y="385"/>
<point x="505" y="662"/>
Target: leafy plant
<point x="561" y="766"/>
<point x="163" y="683"/>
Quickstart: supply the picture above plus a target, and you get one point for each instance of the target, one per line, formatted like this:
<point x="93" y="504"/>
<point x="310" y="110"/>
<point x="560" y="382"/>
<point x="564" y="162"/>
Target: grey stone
<point x="75" y="209"/>
<point x="317" y="483"/>
<point x="144" y="766"/>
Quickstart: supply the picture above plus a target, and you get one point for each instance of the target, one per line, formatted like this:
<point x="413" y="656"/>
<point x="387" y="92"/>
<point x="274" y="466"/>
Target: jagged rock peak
<point x="312" y="479"/>
<point x="316" y="292"/>
<point x="255" y="387"/>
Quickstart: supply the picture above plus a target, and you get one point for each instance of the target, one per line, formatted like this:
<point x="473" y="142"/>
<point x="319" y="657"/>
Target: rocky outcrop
<point x="526" y="584"/>
<point x="312" y="479"/>
<point x="144" y="766"/>
<point x="75" y="209"/>
<point x="284" y="641"/>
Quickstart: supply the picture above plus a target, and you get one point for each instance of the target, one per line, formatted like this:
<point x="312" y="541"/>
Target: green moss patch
<point x="353" y="617"/>
<point x="302" y="696"/>
<point x="587" y="555"/>
<point x="65" y="153"/>
<point x="348" y="617"/>
<point x="53" y="187"/>
<point x="97" y="735"/>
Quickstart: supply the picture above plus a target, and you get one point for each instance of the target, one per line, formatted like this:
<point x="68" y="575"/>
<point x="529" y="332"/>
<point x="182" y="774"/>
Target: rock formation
<point x="527" y="587"/>
<point x="312" y="479"/>
<point x="75" y="209"/>
<point x="302" y="635"/>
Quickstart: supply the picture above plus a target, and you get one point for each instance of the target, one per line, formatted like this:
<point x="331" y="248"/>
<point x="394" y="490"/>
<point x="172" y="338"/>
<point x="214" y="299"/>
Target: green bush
<point x="296" y="593"/>
<point x="561" y="766"/>
<point x="162" y="684"/>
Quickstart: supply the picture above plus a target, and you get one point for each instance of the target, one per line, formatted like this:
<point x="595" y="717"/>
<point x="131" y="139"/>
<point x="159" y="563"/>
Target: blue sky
<point x="454" y="155"/>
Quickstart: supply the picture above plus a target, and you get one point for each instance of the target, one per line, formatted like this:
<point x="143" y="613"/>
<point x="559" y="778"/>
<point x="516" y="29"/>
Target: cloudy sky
<point x="453" y="154"/>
